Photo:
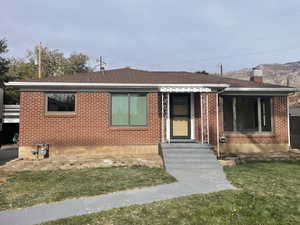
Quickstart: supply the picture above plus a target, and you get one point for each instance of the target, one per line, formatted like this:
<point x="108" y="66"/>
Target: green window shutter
<point x="119" y="110"/>
<point x="138" y="109"/>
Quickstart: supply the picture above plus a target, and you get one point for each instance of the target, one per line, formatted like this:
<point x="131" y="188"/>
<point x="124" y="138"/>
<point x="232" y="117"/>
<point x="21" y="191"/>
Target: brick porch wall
<point x="89" y="126"/>
<point x="211" y="117"/>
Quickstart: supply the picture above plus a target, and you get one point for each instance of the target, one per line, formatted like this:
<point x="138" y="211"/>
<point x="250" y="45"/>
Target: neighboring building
<point x="9" y="120"/>
<point x="130" y="111"/>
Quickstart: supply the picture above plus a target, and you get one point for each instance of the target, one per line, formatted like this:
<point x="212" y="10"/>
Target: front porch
<point x="190" y="117"/>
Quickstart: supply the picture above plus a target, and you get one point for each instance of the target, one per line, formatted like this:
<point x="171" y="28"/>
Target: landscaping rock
<point x="80" y="162"/>
<point x="229" y="162"/>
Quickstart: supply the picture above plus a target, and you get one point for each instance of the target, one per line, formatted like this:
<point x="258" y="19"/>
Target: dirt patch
<point x="80" y="162"/>
<point x="3" y="179"/>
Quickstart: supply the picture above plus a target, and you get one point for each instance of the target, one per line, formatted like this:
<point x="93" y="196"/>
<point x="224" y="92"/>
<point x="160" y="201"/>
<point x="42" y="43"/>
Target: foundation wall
<point x="250" y="148"/>
<point x="108" y="150"/>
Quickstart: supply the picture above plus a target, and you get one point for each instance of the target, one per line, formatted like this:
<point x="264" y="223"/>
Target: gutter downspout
<point x="162" y="117"/>
<point x="201" y="109"/>
<point x="288" y="121"/>
<point x="218" y="134"/>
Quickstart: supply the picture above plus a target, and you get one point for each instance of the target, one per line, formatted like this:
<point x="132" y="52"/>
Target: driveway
<point x="7" y="153"/>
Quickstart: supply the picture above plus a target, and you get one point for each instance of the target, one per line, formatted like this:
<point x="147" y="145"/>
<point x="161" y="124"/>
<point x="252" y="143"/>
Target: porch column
<point x="204" y="114"/>
<point x="209" y="118"/>
<point x="192" y="109"/>
<point x="165" y="111"/>
<point x="162" y="119"/>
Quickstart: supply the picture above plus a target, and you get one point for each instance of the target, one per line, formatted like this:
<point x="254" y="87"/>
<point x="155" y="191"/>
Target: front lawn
<point x="269" y="194"/>
<point x="23" y="189"/>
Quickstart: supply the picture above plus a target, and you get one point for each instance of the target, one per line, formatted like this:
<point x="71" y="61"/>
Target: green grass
<point x="25" y="189"/>
<point x="268" y="194"/>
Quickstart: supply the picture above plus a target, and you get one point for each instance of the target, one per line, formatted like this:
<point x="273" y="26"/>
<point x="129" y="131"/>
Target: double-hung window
<point x="247" y="114"/>
<point x="128" y="109"/>
<point x="60" y="102"/>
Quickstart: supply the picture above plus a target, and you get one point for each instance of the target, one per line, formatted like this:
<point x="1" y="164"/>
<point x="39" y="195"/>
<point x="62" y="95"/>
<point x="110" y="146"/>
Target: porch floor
<point x="183" y="141"/>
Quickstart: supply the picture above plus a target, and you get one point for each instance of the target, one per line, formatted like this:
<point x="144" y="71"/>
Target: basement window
<point x="247" y="114"/>
<point x="60" y="102"/>
<point x="129" y="109"/>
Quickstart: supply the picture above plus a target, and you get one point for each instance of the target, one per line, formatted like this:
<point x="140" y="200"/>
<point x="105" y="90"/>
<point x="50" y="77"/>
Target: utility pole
<point x="101" y="64"/>
<point x="40" y="61"/>
<point x="221" y="69"/>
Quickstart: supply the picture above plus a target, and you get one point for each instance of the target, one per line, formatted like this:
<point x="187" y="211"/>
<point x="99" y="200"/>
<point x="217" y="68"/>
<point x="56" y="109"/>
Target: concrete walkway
<point x="192" y="181"/>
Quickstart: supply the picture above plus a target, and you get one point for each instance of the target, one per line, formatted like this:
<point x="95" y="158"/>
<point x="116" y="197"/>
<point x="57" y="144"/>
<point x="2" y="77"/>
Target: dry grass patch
<point x="28" y="188"/>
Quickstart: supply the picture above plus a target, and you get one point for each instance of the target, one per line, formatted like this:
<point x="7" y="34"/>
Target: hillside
<point x="275" y="74"/>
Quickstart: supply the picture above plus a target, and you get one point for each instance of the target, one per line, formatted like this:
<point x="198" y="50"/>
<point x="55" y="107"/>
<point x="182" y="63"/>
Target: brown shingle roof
<point x="129" y="75"/>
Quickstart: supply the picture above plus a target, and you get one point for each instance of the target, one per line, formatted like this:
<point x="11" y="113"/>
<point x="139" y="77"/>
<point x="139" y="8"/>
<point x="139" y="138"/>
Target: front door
<point x="180" y="116"/>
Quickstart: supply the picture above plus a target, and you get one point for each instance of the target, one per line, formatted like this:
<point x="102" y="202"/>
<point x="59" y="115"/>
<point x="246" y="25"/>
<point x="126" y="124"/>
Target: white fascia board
<point x="261" y="89"/>
<point x="123" y="85"/>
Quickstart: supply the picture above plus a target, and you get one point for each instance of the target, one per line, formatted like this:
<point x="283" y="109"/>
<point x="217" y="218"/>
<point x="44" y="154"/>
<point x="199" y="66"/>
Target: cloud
<point x="219" y="14"/>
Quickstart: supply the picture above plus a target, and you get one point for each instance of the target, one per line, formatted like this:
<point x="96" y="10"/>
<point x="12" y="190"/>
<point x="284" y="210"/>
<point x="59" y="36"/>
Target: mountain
<point x="275" y="74"/>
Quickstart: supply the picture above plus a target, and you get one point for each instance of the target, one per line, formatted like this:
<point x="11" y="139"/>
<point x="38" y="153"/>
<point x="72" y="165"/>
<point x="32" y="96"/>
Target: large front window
<point x="247" y="114"/>
<point x="129" y="109"/>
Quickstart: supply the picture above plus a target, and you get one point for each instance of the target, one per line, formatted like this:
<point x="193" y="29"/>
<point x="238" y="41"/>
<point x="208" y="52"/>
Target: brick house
<point x="130" y="111"/>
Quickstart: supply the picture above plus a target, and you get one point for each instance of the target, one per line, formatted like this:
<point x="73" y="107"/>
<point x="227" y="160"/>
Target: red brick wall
<point x="89" y="126"/>
<point x="212" y="117"/>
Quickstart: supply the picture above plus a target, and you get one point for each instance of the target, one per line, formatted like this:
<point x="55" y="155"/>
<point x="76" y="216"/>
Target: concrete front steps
<point x="193" y="163"/>
<point x="189" y="156"/>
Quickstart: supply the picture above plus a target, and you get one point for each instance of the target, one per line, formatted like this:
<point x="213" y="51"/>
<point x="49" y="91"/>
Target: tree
<point x="4" y="62"/>
<point x="202" y="72"/>
<point x="54" y="63"/>
<point x="10" y="95"/>
<point x="76" y="63"/>
<point x="22" y="69"/>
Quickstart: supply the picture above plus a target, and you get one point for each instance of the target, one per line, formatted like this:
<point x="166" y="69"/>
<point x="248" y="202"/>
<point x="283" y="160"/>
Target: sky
<point x="166" y="35"/>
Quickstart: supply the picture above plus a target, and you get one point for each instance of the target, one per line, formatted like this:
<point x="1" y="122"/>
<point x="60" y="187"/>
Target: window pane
<point x="266" y="114"/>
<point x="59" y="102"/>
<point x="228" y="113"/>
<point x="138" y="109"/>
<point x="119" y="110"/>
<point x="246" y="114"/>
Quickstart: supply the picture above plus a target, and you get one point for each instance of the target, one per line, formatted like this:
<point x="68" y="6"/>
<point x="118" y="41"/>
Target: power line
<point x="205" y="59"/>
<point x="247" y="54"/>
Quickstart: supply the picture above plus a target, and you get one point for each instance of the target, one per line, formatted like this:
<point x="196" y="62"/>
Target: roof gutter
<point x="260" y="89"/>
<point x="105" y="85"/>
<point x="226" y="87"/>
